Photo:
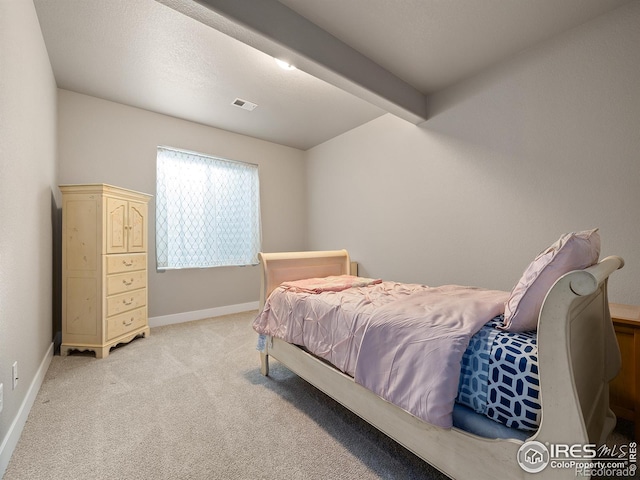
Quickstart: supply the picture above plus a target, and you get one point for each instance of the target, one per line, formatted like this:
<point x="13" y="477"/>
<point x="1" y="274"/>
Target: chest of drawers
<point x="104" y="267"/>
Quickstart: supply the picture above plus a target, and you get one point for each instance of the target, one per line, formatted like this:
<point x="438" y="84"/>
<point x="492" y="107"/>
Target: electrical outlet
<point x="15" y="374"/>
<point x="1" y="395"/>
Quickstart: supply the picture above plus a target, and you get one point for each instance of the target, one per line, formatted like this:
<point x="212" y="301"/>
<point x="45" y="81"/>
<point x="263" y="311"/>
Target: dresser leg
<point x="102" y="352"/>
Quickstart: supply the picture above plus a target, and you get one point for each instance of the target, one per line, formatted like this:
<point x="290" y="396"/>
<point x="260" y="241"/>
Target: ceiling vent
<point x="244" y="104"/>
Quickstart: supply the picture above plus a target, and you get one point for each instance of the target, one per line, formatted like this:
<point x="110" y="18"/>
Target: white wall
<point x="106" y="142"/>
<point x="27" y="209"/>
<point x="546" y="143"/>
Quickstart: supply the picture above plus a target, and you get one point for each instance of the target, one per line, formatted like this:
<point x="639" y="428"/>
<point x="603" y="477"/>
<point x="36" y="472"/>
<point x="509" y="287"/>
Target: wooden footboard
<point x="578" y="355"/>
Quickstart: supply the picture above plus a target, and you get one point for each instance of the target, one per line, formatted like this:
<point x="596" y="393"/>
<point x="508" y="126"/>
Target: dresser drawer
<point x="126" y="282"/>
<point x="126" y="263"/>
<point x="124" y="302"/>
<point x="126" y="322"/>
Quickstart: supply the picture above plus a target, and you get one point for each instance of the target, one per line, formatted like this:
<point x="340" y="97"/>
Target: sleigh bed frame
<point x="577" y="357"/>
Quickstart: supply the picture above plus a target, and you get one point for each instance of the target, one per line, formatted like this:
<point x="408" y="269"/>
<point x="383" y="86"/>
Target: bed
<point x="577" y="355"/>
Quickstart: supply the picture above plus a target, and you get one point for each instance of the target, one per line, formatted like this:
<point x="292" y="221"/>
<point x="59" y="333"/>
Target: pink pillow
<point x="573" y="251"/>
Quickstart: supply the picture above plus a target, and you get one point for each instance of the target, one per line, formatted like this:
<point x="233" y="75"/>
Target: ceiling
<point x="355" y="59"/>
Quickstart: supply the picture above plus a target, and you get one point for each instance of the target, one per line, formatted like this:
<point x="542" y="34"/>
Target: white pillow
<point x="573" y="251"/>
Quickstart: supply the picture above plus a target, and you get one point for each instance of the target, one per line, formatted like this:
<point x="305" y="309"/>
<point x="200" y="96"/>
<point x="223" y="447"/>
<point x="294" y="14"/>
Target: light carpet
<point x="189" y="402"/>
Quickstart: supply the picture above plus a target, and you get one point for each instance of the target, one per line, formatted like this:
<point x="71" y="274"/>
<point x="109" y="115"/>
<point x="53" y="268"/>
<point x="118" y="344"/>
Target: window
<point x="207" y="211"/>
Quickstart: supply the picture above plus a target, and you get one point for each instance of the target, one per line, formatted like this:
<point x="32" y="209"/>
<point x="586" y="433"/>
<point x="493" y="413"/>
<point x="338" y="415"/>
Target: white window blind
<point x="207" y="211"/>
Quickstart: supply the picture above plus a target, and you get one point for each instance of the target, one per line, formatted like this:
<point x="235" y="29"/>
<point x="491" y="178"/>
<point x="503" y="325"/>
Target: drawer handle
<point x="128" y="283"/>
<point x="127" y="264"/>
<point x="124" y="322"/>
<point x="130" y="302"/>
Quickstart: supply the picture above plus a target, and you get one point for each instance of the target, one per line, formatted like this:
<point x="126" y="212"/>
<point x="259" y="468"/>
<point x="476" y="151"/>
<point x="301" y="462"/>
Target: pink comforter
<point x="333" y="283"/>
<point x="402" y="341"/>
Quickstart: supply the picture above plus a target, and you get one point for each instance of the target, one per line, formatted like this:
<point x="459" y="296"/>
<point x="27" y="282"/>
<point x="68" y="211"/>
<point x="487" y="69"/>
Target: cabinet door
<point x="137" y="227"/>
<point x="116" y="223"/>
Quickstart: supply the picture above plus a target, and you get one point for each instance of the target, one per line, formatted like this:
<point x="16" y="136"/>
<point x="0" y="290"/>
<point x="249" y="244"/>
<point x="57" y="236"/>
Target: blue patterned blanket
<point x="499" y="377"/>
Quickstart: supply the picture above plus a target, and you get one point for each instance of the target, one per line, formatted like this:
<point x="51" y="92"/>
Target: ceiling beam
<point x="275" y="29"/>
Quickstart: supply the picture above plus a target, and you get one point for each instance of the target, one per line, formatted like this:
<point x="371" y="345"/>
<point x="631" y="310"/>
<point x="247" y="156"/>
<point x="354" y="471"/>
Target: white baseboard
<point x="15" y="430"/>
<point x="200" y="314"/>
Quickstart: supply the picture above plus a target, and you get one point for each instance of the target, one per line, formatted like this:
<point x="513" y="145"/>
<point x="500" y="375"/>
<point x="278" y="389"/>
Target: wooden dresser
<point x="104" y="267"/>
<point x="625" y="388"/>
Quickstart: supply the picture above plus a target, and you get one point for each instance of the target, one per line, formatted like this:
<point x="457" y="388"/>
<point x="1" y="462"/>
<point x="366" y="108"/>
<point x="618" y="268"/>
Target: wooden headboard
<point x="290" y="266"/>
